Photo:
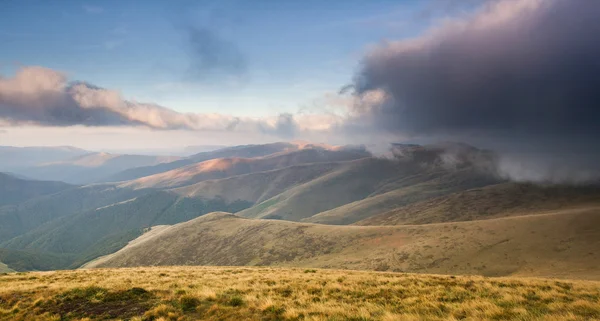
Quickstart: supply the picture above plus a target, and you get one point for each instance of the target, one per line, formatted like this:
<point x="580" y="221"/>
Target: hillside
<point x="244" y="151"/>
<point x="15" y="190"/>
<point x="227" y="167"/>
<point x="557" y="244"/>
<point x="404" y="191"/>
<point x="84" y="236"/>
<point x="226" y="293"/>
<point x="501" y="200"/>
<point x="4" y="268"/>
<point x="92" y="167"/>
<point x="23" y="217"/>
<point x="405" y="181"/>
<point x="257" y="187"/>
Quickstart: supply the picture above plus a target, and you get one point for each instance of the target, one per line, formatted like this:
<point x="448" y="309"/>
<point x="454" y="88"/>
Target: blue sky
<point x="293" y="51"/>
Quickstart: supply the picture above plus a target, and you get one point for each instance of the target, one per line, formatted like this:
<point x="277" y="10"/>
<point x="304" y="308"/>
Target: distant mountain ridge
<point x="92" y="167"/>
<point x="14" y="158"/>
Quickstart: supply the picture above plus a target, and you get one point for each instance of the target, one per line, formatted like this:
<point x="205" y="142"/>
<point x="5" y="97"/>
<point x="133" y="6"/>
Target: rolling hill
<point x="555" y="244"/>
<point x="500" y="200"/>
<point x="83" y="236"/>
<point x="297" y="187"/>
<point x="15" y="190"/>
<point x="244" y="151"/>
<point x="227" y="167"/>
<point x="404" y="181"/>
<point x="26" y="216"/>
<point x="257" y="187"/>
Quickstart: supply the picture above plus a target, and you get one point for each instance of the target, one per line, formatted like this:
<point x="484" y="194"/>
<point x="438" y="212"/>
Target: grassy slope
<point x="365" y="179"/>
<point x="14" y="190"/>
<point x="501" y="200"/>
<point x="237" y="151"/>
<point x="85" y="236"/>
<point x="257" y="187"/>
<point x="4" y="268"/>
<point x="225" y="293"/>
<point x="355" y="180"/>
<point x="561" y="244"/>
<point x="403" y="192"/>
<point x="227" y="167"/>
<point x="19" y="219"/>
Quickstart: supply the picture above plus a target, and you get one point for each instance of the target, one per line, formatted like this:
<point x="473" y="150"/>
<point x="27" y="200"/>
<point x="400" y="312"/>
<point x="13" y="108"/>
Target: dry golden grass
<point x="227" y="293"/>
<point x="559" y="244"/>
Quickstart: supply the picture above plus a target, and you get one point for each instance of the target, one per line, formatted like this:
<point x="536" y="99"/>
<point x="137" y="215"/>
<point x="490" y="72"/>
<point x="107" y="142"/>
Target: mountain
<point x="227" y="167"/>
<point x="500" y="200"/>
<point x="89" y="232"/>
<point x="299" y="185"/>
<point x="84" y="236"/>
<point x="92" y="167"/>
<point x="555" y="244"/>
<point x="26" y="216"/>
<point x="245" y="151"/>
<point x="15" y="190"/>
<point x="391" y="182"/>
<point x="14" y="158"/>
<point x="257" y="187"/>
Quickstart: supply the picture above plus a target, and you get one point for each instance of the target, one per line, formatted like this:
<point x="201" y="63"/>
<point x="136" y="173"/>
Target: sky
<point x="519" y="76"/>
<point x="289" y="52"/>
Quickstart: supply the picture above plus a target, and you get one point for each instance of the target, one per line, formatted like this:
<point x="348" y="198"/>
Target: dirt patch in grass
<point x="99" y="302"/>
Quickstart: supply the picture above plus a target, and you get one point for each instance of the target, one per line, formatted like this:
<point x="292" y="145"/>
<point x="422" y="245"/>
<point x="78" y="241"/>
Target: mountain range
<point x="436" y="208"/>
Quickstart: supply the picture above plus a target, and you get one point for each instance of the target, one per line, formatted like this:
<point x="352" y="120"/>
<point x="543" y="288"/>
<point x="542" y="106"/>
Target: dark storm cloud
<point x="519" y="70"/>
<point x="520" y="76"/>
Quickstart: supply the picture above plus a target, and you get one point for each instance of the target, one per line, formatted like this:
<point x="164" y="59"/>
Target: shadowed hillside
<point x="84" y="236"/>
<point x="557" y="244"/>
<point x="508" y="199"/>
<point x="14" y="190"/>
<point x="403" y="181"/>
<point x="23" y="217"/>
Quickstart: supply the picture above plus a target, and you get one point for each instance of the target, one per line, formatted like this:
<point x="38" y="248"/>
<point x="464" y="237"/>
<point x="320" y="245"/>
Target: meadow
<point x="260" y="293"/>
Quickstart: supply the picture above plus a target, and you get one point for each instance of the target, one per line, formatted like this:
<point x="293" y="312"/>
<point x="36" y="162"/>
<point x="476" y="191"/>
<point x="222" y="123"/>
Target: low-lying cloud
<point x="41" y="96"/>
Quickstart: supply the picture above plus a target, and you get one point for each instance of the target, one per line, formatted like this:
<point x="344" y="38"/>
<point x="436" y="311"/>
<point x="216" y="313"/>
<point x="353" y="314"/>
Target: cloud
<point x="93" y="9"/>
<point x="522" y="75"/>
<point x="285" y="126"/>
<point x="42" y="96"/>
<point x="213" y="56"/>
